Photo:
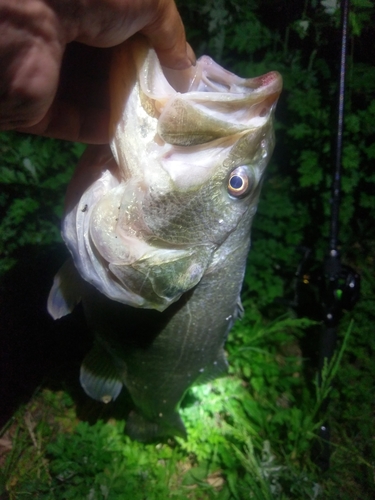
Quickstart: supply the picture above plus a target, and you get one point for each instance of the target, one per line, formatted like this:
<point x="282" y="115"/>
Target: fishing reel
<point x="323" y="291"/>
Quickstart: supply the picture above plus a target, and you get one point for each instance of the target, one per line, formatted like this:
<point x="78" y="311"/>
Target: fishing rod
<point x="338" y="284"/>
<point x="342" y="283"/>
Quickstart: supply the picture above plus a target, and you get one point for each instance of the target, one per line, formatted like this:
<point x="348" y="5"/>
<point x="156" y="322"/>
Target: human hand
<point x="50" y="86"/>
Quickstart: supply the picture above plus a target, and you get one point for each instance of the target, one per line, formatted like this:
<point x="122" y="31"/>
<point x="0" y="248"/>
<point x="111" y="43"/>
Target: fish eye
<point x="238" y="182"/>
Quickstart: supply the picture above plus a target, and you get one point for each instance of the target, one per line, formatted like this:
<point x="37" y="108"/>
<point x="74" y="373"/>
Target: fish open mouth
<point x="208" y="76"/>
<point x="206" y="102"/>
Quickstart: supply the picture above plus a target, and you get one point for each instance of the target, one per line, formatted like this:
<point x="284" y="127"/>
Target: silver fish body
<point x="159" y="230"/>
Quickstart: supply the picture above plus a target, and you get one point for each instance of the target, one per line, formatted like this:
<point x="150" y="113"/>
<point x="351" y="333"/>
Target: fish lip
<point x="268" y="86"/>
<point x="270" y="79"/>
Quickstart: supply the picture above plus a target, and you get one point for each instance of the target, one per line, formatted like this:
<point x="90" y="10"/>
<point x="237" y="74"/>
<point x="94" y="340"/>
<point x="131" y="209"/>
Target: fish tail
<point x="141" y="429"/>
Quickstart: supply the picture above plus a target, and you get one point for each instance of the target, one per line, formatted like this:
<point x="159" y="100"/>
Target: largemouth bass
<point x="158" y="226"/>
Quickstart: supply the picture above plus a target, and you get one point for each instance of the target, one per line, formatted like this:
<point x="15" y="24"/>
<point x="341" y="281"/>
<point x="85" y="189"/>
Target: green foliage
<point x="34" y="172"/>
<point x="100" y="462"/>
<point x="352" y="398"/>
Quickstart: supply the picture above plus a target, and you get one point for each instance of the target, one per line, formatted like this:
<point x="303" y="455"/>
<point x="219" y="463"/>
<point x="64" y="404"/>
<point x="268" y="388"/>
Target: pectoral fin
<point x="99" y="377"/>
<point x="65" y="293"/>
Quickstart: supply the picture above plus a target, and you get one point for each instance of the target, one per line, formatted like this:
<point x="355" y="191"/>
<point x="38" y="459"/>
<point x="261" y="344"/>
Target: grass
<point x="252" y="434"/>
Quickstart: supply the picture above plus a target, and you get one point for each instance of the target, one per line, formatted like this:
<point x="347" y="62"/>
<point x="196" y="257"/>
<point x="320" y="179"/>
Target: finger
<point x="68" y="121"/>
<point x="166" y="34"/>
<point x="80" y="111"/>
<point x="158" y="20"/>
<point x="29" y="88"/>
<point x="30" y="57"/>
